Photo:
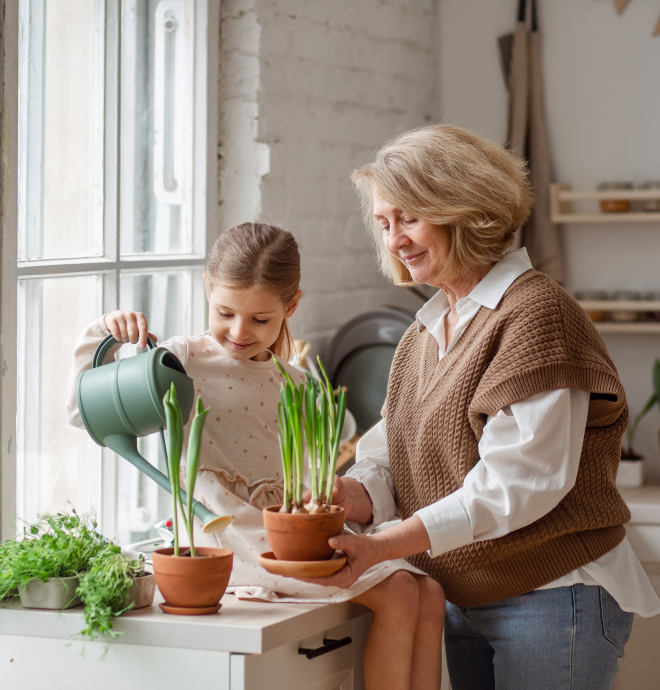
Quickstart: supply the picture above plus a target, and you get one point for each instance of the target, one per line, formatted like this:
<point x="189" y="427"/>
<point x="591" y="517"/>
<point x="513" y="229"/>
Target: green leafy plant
<point x="105" y="588"/>
<point x="64" y="545"/>
<point x="174" y="420"/>
<point x="628" y="453"/>
<point x="310" y="413"/>
<point x="59" y="545"/>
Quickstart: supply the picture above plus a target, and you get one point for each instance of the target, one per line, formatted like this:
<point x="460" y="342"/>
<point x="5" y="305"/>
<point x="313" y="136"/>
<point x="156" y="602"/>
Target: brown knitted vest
<point x="537" y="339"/>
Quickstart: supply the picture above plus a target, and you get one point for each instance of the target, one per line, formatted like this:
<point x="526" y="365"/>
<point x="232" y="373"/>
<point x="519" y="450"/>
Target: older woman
<point x="501" y="431"/>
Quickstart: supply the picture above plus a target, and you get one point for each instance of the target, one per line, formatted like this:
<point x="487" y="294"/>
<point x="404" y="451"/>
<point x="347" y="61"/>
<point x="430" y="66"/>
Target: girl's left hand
<point x="361" y="553"/>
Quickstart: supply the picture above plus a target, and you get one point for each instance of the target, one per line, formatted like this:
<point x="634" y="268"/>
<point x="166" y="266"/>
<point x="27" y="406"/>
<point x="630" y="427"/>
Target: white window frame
<point x="110" y="265"/>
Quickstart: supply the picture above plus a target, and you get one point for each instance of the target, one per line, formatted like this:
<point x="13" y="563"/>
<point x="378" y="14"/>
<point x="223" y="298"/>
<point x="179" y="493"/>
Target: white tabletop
<point x="248" y="627"/>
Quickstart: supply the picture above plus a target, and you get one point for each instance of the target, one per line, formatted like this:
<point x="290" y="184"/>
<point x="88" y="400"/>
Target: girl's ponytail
<point x="283" y="346"/>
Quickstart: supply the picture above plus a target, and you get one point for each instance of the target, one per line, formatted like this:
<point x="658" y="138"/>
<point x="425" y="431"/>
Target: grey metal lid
<point x="385" y="326"/>
<point x="361" y="357"/>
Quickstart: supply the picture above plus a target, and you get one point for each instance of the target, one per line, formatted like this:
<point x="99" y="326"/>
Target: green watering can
<point x="123" y="400"/>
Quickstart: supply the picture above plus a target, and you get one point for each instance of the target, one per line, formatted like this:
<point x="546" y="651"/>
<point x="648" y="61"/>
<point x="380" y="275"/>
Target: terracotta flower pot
<point x="302" y="537"/>
<point x="194" y="583"/>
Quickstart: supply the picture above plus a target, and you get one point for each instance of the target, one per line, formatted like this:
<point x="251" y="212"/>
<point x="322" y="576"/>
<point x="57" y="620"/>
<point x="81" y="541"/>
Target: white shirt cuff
<point x="447" y="524"/>
<point x="383" y="507"/>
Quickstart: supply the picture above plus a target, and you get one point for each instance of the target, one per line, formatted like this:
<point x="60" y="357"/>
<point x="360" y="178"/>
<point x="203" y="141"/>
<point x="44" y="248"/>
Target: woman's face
<point x="423" y="248"/>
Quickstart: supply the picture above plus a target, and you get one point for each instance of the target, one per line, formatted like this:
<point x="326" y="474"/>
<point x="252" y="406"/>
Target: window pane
<point x="158" y="188"/>
<point x="61" y="129"/>
<point x="57" y="463"/>
<point x="173" y="300"/>
<point x="174" y="303"/>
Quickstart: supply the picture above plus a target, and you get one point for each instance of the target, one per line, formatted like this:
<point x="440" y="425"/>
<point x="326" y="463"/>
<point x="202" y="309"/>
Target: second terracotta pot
<point x="188" y="582"/>
<point x="302" y="537"/>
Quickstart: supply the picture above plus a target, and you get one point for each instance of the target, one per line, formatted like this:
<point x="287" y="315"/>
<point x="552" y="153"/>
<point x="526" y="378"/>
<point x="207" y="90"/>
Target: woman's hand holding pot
<point x="363" y="551"/>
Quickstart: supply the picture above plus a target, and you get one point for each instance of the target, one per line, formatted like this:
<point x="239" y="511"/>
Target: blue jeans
<point x="568" y="638"/>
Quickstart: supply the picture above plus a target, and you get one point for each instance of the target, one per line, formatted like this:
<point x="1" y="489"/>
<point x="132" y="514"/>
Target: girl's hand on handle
<point x="128" y="327"/>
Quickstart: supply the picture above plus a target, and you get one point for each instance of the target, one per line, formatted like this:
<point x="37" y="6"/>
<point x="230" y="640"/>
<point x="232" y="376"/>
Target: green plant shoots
<point x="313" y="415"/>
<point x="174" y="420"/>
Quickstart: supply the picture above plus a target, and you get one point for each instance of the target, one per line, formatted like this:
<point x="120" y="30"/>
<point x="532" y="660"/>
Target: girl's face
<point x="423" y="248"/>
<point x="247" y="321"/>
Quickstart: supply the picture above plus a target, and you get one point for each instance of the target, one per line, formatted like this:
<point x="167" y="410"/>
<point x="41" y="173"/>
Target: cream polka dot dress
<point x="240" y="467"/>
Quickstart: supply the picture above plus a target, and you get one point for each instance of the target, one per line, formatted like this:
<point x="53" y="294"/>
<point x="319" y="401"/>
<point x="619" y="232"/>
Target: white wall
<point x="309" y="90"/>
<point x="603" y="101"/>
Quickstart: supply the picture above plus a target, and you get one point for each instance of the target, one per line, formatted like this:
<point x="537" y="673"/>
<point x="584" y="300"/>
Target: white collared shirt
<point x="529" y="457"/>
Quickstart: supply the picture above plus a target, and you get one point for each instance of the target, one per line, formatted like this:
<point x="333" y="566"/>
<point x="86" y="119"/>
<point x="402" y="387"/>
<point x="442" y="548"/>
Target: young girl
<point x="252" y="286"/>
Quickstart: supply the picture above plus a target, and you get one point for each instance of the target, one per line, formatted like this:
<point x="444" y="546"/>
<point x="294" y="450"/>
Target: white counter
<point x="246" y="646"/>
<point x="644" y="503"/>
<point x="247" y="627"/>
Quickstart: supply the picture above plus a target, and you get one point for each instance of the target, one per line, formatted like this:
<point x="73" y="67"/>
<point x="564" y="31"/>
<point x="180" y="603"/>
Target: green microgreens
<point x="104" y="589"/>
<point x="64" y="545"/>
<point x="56" y="546"/>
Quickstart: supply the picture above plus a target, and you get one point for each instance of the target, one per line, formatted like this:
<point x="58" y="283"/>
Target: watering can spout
<point x="123" y="400"/>
<point x="126" y="446"/>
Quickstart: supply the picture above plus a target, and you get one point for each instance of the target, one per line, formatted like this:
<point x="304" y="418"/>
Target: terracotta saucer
<point x="301" y="568"/>
<point x="184" y="611"/>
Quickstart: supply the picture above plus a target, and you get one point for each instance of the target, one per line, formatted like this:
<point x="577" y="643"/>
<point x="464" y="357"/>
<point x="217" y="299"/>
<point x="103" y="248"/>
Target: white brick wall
<point x="309" y="89"/>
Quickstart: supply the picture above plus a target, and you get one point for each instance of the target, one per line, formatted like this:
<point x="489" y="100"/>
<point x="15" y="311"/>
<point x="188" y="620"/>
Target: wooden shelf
<point x="619" y="305"/>
<point x="623" y="326"/>
<point x="649" y="217"/>
<point x="630" y="327"/>
<point x="561" y="208"/>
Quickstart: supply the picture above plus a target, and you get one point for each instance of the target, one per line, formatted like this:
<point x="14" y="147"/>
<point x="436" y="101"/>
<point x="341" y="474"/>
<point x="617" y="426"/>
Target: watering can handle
<point x="107" y="344"/>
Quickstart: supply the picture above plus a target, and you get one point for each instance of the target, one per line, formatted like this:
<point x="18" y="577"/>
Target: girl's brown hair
<point x="261" y="256"/>
<point x="448" y="176"/>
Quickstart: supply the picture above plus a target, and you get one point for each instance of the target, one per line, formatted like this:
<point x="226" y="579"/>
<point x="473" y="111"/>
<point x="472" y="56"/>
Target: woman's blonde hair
<point x="448" y="176"/>
<point x="261" y="256"/>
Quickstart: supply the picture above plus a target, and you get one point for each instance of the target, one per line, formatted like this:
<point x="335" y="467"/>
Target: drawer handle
<point x="328" y="646"/>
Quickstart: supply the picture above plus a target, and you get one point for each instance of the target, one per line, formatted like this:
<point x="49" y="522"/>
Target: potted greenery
<point x="191" y="580"/>
<point x="630" y="472"/>
<point x="311" y="414"/>
<point x="62" y="561"/>
<point x="113" y="583"/>
<point x="43" y="565"/>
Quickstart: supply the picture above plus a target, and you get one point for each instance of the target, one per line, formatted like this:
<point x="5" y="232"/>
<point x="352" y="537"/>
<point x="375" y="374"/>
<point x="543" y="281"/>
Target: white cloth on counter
<point x="529" y="457"/>
<point x="240" y="466"/>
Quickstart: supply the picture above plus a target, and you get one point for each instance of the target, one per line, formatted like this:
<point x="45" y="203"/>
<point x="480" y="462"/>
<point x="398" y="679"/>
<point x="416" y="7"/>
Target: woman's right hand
<point x="128" y="327"/>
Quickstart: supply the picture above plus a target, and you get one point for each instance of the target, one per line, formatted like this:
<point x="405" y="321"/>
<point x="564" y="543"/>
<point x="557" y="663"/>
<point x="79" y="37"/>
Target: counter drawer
<point x="285" y="669"/>
<point x="30" y="663"/>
